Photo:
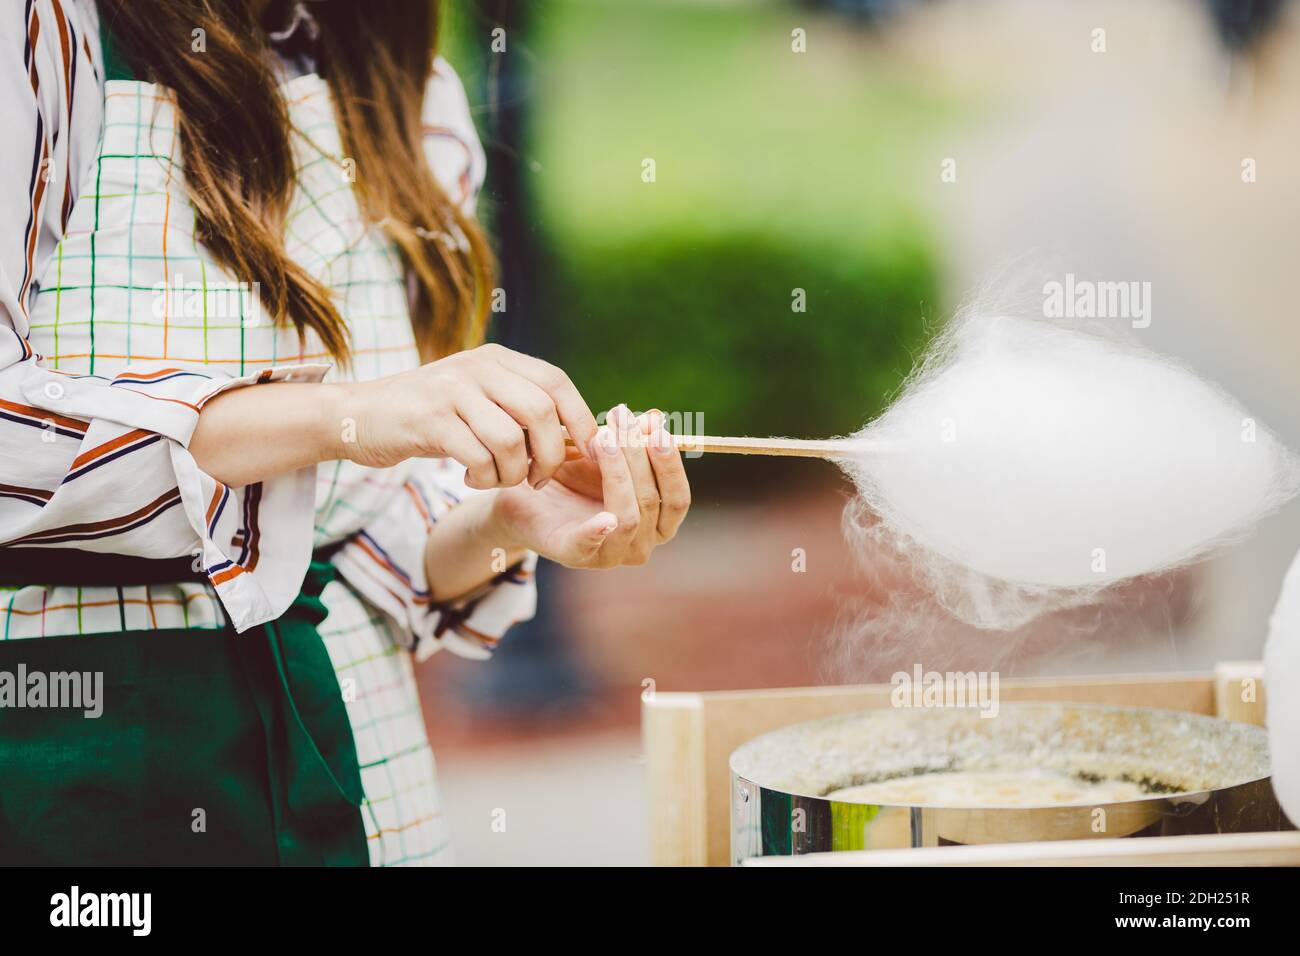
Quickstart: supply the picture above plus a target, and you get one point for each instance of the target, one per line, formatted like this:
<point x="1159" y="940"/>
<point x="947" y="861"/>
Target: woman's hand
<point x="614" y="507"/>
<point x="473" y="406"/>
<point x="495" y="411"/>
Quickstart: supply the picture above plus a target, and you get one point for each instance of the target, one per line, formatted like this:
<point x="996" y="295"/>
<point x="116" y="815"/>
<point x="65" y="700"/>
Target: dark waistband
<point x="20" y="567"/>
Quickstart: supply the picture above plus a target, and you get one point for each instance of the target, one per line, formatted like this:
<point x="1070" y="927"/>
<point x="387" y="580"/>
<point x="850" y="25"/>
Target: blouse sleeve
<point x="451" y="142"/>
<point x="98" y="463"/>
<point x="385" y="563"/>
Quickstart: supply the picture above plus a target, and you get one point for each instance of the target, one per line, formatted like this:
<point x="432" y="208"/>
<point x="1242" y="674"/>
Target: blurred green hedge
<point x="706" y="327"/>
<point x="775" y="170"/>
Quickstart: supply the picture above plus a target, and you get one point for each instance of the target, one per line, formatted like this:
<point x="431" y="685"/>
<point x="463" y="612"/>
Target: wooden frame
<point x="1217" y="849"/>
<point x="689" y="738"/>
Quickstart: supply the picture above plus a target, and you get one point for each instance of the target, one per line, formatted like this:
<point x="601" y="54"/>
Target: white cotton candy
<point x="1028" y="465"/>
<point x="1282" y="691"/>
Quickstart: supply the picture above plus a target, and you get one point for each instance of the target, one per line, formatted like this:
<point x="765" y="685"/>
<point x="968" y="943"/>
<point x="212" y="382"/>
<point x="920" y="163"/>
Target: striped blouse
<point x="116" y="328"/>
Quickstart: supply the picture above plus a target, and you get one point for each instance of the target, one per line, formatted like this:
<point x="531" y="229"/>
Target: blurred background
<point x="753" y="214"/>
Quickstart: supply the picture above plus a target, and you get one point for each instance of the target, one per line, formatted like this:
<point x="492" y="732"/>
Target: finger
<point x="579" y="545"/>
<point x="620" y="497"/>
<point x="573" y="410"/>
<point x="535" y="411"/>
<point x="459" y="442"/>
<point x="632" y="437"/>
<point x="500" y="434"/>
<point x="674" y="488"/>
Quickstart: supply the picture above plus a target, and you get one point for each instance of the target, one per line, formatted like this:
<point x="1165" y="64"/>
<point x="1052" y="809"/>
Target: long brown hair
<point x="234" y="132"/>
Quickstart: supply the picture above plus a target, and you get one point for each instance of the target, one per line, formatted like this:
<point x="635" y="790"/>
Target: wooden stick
<point x="788" y="447"/>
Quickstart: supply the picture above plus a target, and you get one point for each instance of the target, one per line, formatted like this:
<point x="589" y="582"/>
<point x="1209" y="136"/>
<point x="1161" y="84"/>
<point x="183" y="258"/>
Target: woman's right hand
<point x="495" y="411"/>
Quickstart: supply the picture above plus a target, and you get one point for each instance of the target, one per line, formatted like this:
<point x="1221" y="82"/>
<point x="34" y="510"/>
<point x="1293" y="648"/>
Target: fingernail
<point x="607" y="442"/>
<point x="618" y="418"/>
<point x="652" y="421"/>
<point x="541" y="484"/>
<point x="663" y="443"/>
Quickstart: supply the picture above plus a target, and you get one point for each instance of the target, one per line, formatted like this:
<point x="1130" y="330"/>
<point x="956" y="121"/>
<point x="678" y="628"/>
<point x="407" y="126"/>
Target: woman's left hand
<point x="611" y="508"/>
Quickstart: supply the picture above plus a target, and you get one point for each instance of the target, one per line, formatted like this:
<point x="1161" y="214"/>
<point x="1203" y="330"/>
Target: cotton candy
<point x="1282" y="691"/>
<point x="1030" y="464"/>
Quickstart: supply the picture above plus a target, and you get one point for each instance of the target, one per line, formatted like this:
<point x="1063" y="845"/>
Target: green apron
<point x="212" y="748"/>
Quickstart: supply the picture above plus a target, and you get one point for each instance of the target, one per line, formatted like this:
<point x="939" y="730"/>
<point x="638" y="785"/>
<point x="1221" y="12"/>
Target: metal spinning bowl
<point x="1201" y="774"/>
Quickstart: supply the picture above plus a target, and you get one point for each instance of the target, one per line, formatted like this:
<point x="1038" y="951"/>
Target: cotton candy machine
<point x="1035" y="771"/>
